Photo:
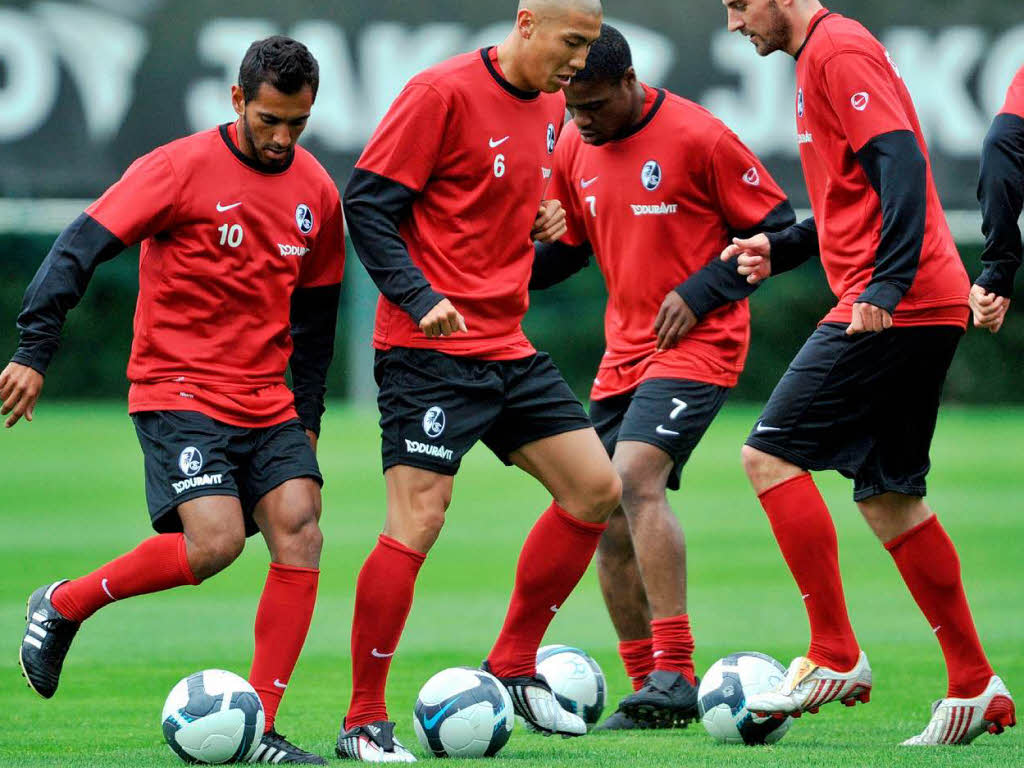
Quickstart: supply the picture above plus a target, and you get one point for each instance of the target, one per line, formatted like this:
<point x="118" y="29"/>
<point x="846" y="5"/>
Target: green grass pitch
<point x="71" y="498"/>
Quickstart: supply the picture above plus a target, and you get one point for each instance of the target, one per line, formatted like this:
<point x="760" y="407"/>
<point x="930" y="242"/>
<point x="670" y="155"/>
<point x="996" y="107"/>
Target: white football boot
<point x="807" y="686"/>
<point x="372" y="743"/>
<point x="534" y="701"/>
<point x="961" y="721"/>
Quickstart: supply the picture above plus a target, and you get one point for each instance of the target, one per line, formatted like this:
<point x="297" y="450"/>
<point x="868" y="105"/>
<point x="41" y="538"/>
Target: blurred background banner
<point x="87" y="87"/>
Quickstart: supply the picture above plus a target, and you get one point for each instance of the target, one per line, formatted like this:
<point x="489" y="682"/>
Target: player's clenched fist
<point x="867" y="318"/>
<point x="989" y="309"/>
<point x="753" y="257"/>
<point x="20" y="387"/>
<point x="443" y="320"/>
<point x="549" y="225"/>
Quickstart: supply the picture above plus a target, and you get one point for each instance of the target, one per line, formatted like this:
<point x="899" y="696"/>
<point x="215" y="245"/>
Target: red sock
<point x="157" y="564"/>
<point x="673" y="646"/>
<point x="928" y="562"/>
<point x="282" y="622"/>
<point x="383" y="600"/>
<point x="807" y="537"/>
<point x="553" y="560"/>
<point x="636" y="657"/>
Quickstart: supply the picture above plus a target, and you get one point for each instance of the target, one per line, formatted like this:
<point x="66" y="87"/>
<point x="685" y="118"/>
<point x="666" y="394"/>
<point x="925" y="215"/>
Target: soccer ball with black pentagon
<point x="576" y="680"/>
<point x="213" y="717"/>
<point x="463" y="712"/>
<point x="722" y="698"/>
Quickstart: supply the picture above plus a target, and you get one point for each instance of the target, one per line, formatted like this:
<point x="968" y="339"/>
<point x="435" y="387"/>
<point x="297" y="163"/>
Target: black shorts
<point x="434" y="407"/>
<point x="670" y="414"/>
<point x="865" y="405"/>
<point x="188" y="455"/>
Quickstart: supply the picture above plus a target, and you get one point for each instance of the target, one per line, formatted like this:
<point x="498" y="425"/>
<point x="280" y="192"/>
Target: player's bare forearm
<point x="20" y="387"/>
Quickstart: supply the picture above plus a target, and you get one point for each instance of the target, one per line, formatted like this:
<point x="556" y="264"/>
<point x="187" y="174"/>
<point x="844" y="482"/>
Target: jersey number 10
<point x="230" y="235"/>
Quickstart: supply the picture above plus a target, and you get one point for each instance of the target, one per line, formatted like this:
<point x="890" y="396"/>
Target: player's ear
<point x="526" y="23"/>
<point x="238" y="100"/>
<point x="629" y="78"/>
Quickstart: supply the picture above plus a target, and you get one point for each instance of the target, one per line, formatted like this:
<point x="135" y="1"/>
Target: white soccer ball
<point x="213" y="717"/>
<point x="722" y="698"/>
<point x="463" y="712"/>
<point x="576" y="680"/>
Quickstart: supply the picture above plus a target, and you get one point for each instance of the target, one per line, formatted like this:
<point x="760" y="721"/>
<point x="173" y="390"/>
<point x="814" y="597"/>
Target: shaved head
<point x="546" y="7"/>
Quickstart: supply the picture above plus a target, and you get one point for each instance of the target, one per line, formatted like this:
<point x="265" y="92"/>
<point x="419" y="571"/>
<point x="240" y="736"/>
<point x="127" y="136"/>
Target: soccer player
<point x="239" y="275"/>
<point x="440" y="209"/>
<point x="863" y="394"/>
<point x="655" y="186"/>
<point x="1001" y="194"/>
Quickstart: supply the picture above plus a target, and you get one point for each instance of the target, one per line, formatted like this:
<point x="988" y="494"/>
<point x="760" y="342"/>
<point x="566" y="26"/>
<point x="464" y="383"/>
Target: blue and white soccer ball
<point x="576" y="680"/>
<point x="722" y="699"/>
<point x="463" y="712"/>
<point x="213" y="717"/>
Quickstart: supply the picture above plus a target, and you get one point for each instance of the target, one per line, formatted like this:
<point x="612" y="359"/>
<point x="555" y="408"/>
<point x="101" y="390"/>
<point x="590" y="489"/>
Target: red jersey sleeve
<point x="864" y="97"/>
<point x="745" y="191"/>
<point x="406" y="144"/>
<point x="325" y="264"/>
<point x="560" y="189"/>
<point x="142" y="203"/>
<point x="1014" y="104"/>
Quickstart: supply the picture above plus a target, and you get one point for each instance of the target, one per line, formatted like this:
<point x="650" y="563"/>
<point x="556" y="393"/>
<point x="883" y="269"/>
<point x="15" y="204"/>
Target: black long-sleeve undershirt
<point x="59" y="284"/>
<point x="1001" y="194"/>
<point x="898" y="172"/>
<point x="314" y="317"/>
<point x="374" y="207"/>
<point x="718" y="283"/>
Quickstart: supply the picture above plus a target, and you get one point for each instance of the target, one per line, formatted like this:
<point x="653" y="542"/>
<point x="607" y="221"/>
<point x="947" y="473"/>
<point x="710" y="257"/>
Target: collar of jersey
<point x="258" y="167"/>
<point x="810" y="30"/>
<point x="519" y="93"/>
<point x="646" y="120"/>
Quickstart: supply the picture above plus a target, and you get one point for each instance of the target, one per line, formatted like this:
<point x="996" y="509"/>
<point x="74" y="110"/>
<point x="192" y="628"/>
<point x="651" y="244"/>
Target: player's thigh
<point x="187" y="457"/>
<point x="665" y="421"/>
<point x="280" y="479"/>
<point x="434" y="407"/>
<point x="906" y="418"/>
<point x="417" y="500"/>
<point x="823" y="412"/>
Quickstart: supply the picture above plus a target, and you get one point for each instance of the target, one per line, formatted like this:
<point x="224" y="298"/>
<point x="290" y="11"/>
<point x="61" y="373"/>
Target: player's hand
<point x="312" y="438"/>
<point x="20" y="387"/>
<point x="675" y="320"/>
<point x="550" y="224"/>
<point x="442" y="320"/>
<point x="989" y="309"/>
<point x="867" y="318"/>
<point x="753" y="257"/>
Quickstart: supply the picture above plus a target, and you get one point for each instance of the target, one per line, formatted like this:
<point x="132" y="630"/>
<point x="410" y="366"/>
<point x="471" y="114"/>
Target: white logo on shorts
<point x="190" y="462"/>
<point x="433" y="422"/>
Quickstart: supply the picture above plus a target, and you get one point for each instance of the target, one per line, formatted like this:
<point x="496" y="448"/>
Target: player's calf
<point x="48" y="636"/>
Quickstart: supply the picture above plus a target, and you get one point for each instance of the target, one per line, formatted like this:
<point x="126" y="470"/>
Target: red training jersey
<point x="1014" y="104"/>
<point x="224" y="244"/>
<point x="849" y="91"/>
<point x="656" y="206"/>
<point x="477" y="151"/>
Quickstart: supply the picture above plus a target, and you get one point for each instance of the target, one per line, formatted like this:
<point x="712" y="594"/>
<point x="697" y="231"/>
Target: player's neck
<point x="242" y="141"/>
<point x="803" y="14"/>
<point x="509" y="57"/>
<point x="639" y="96"/>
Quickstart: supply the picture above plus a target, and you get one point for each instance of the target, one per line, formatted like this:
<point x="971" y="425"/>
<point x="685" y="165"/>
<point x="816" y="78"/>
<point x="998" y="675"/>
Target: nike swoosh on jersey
<point x="587" y="182"/>
<point x="222" y="208"/>
<point x="499" y="142"/>
<point x="380" y="655"/>
<point x="662" y="431"/>
<point x="762" y="428"/>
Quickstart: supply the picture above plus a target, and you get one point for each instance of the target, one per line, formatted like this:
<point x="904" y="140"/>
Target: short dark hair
<point x="609" y="58"/>
<point x="281" y="62"/>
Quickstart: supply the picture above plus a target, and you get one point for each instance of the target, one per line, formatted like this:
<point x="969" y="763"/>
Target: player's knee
<point x="215" y="552"/>
<point x="640" y="490"/>
<point x="758" y="465"/>
<point x="605" y="496"/>
<point x="616" y="544"/>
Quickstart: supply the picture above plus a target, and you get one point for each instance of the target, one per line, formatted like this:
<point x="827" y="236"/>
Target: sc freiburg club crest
<point x="433" y="422"/>
<point x="304" y="218"/>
